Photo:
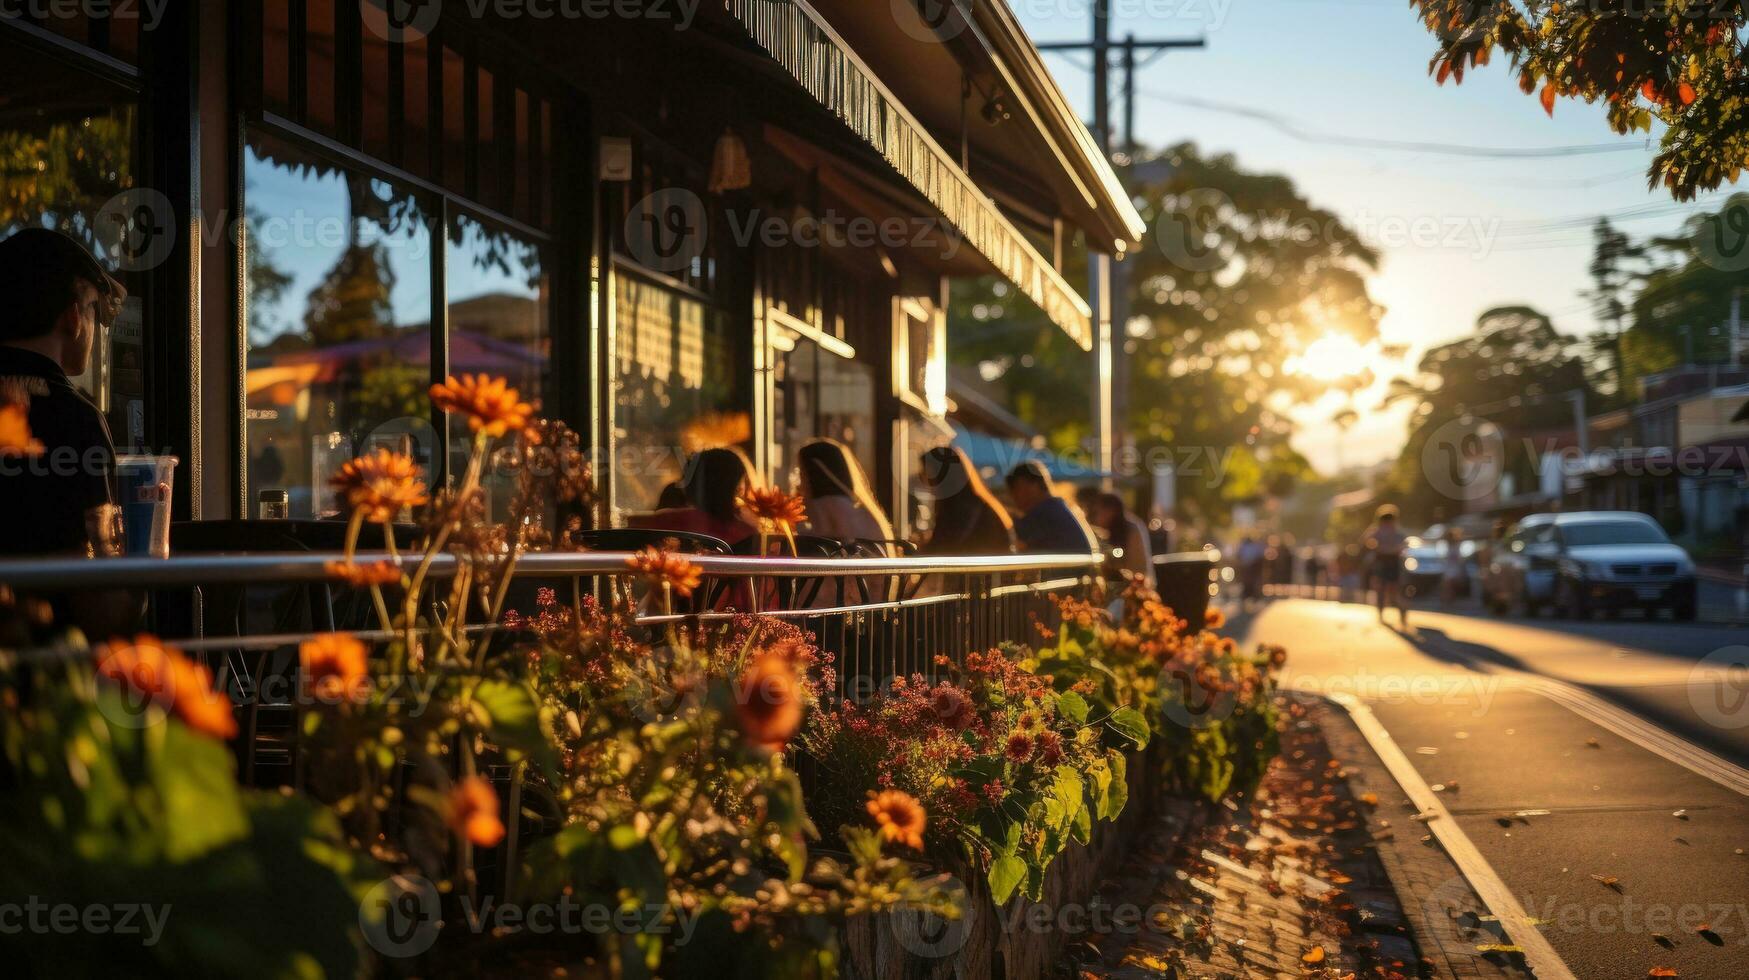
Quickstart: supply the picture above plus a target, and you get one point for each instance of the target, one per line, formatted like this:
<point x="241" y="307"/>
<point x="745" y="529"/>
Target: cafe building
<point x="678" y="223"/>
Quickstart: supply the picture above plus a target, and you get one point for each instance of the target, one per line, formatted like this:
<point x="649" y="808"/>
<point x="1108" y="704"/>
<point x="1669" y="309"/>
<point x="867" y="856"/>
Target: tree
<point x="1512" y="377"/>
<point x="1241" y="274"/>
<point x="1610" y="279"/>
<point x="1679" y="63"/>
<point x="1684" y="300"/>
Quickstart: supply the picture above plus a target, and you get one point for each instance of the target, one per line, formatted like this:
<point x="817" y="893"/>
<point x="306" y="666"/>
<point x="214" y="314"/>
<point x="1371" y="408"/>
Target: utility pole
<point x="1109" y="280"/>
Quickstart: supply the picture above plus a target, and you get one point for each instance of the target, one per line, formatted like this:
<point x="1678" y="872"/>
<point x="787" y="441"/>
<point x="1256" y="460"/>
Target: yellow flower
<point x="661" y="568"/>
<point x="335" y="664"/>
<point x="473" y="812"/>
<point x="899" y="816"/>
<point x="380" y="484"/>
<point x="15" y="437"/>
<point x="491" y="405"/>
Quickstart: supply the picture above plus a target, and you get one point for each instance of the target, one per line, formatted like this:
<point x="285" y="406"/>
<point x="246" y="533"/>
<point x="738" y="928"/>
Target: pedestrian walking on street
<point x="1384" y="543"/>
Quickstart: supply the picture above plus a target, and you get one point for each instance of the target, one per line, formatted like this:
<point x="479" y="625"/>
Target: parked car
<point x="1582" y="562"/>
<point x="1425" y="562"/>
<point x="1520" y="573"/>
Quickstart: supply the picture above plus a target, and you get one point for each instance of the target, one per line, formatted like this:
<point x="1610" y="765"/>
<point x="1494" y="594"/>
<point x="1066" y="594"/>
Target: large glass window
<point x="676" y="387"/>
<point x="69" y="161"/>
<point x="339" y="310"/>
<point x="817" y="392"/>
<point x="498" y="292"/>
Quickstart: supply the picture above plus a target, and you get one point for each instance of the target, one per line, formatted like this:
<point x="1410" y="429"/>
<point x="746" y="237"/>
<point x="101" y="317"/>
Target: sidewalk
<point x="1306" y="879"/>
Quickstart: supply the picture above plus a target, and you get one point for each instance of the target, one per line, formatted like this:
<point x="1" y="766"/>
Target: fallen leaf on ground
<point x="1314" y="955"/>
<point x="1607" y="881"/>
<point x="1660" y="971"/>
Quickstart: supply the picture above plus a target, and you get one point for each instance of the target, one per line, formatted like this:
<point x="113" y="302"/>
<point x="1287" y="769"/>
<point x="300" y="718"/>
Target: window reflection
<point x="67" y="153"/>
<point x="675" y="387"/>
<point x="498" y="290"/>
<point x="339" y="301"/>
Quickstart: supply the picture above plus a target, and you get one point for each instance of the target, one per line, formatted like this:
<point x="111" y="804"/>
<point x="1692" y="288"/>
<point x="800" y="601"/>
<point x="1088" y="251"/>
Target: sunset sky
<point x="1511" y="229"/>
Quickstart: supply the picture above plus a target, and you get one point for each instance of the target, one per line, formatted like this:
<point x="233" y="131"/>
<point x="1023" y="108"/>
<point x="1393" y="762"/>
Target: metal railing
<point x="876" y="617"/>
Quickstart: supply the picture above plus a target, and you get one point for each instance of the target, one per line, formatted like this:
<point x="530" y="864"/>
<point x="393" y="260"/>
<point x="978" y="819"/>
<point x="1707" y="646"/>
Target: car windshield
<point x="1611" y="532"/>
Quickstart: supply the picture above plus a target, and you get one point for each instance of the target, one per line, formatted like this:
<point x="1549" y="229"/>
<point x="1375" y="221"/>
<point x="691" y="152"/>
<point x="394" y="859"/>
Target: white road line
<point x="1639" y="731"/>
<point x="1539" y="955"/>
<point x="1607" y="714"/>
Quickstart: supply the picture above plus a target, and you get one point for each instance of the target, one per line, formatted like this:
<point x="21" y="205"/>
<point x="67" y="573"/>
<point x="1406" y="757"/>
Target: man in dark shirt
<point x="1047" y="524"/>
<point x="54" y="296"/>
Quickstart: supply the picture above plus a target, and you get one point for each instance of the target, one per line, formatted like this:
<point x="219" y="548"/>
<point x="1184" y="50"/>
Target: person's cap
<point x="32" y="256"/>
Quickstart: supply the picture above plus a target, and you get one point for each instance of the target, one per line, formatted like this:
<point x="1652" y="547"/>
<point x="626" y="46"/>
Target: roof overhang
<point x="807" y="47"/>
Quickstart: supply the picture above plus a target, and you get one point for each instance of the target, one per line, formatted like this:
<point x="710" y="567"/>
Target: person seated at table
<point x="968" y="520"/>
<point x="673" y="495"/>
<point x="1126" y="539"/>
<point x="714" y="481"/>
<point x="839" y="503"/>
<point x="1047" y="523"/>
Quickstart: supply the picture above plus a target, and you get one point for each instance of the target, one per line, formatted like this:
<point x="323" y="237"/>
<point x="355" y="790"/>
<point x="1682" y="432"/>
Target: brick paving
<point x="1307" y="879"/>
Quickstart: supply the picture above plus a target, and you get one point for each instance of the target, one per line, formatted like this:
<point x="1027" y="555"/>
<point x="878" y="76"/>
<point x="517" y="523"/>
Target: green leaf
<point x="1006" y="874"/>
<point x="513" y="720"/>
<point x="1118" y="793"/>
<point x="1073" y="707"/>
<point x="1131" y="724"/>
<point x="197" y="788"/>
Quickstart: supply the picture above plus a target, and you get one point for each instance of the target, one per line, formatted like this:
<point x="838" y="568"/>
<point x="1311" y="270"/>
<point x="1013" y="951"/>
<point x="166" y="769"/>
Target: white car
<point x="1611" y="560"/>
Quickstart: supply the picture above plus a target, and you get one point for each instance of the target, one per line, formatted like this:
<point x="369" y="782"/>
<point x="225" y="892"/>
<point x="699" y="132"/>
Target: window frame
<point x="442" y="205"/>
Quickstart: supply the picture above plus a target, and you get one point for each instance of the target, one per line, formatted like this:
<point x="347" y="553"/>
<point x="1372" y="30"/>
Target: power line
<point x="1292" y="129"/>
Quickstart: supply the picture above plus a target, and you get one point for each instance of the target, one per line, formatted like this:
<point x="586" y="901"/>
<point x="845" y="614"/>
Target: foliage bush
<point x="650" y="771"/>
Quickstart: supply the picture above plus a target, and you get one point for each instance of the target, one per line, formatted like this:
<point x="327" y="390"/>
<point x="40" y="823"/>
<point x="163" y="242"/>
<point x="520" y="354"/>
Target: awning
<point x="802" y="42"/>
<point x="993" y="457"/>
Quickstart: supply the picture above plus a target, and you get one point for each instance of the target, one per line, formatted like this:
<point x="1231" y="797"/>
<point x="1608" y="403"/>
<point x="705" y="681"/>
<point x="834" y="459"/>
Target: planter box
<point x="1023" y="939"/>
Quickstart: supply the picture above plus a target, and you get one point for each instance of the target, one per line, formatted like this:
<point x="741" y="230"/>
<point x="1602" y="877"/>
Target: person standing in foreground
<point x="1385" y="542"/>
<point x="1046" y="523"/>
<point x="59" y="498"/>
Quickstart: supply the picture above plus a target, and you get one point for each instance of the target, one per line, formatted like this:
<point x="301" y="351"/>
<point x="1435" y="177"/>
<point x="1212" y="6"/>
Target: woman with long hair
<point x="713" y="482"/>
<point x="840" y="504"/>
<point x="968" y="520"/>
<point x="1125" y="539"/>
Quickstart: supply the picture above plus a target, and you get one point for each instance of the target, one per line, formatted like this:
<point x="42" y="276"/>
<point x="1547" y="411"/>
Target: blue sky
<point x="1518" y="228"/>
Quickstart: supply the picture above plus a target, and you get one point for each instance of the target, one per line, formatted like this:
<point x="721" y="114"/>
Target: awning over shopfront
<point x="993" y="457"/>
<point x="802" y="42"/>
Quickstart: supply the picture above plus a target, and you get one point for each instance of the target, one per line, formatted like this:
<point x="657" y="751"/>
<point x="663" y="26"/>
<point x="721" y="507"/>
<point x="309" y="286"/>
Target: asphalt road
<point x="1567" y="753"/>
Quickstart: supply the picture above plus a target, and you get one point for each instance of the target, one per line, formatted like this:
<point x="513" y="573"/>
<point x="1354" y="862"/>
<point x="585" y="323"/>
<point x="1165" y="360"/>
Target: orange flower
<point x="381" y="484"/>
<point x="491" y="405"/>
<point x="473" y="812"/>
<point x="769" y="702"/>
<point x="771" y="504"/>
<point x="899" y="816"/>
<point x="716" y="430"/>
<point x="15" y="437"/>
<point x="363" y="576"/>
<point x="335" y="666"/>
<point x="662" y="568"/>
<point x="171" y="680"/>
<point x="1214" y="619"/>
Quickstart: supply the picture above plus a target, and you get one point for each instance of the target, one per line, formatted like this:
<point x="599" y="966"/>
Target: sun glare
<point x="1330" y="357"/>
